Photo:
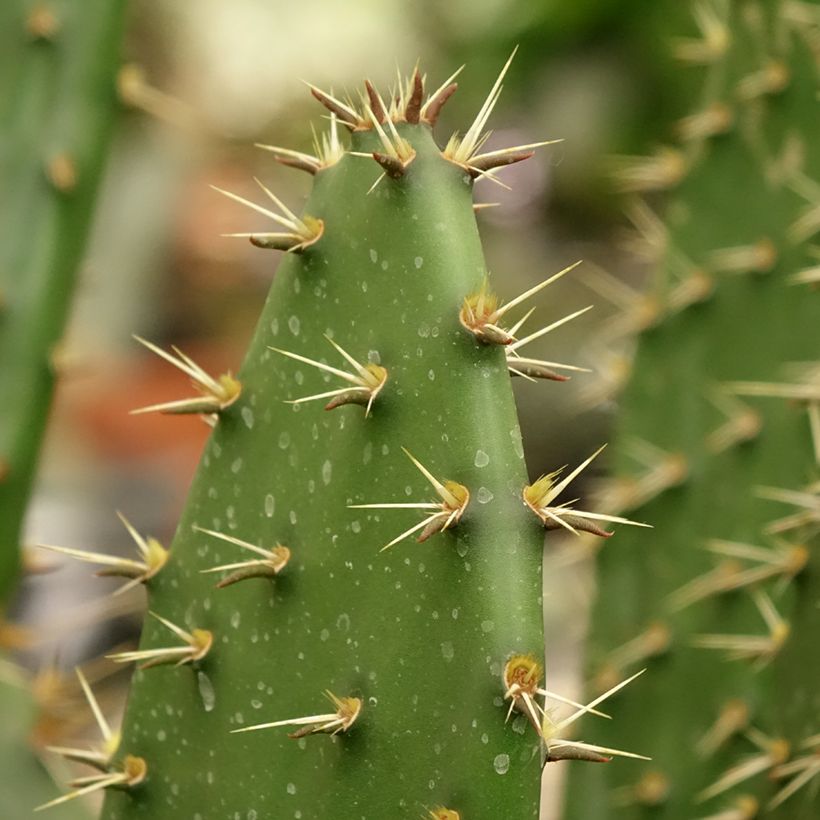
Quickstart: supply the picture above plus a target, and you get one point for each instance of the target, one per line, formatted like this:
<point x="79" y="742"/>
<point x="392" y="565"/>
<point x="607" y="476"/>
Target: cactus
<point x="722" y="606"/>
<point x="59" y="86"/>
<point x="57" y="76"/>
<point x="292" y="595"/>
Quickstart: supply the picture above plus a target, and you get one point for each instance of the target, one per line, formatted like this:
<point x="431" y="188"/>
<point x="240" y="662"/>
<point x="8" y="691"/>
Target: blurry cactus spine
<point x="306" y="658"/>
<point x="719" y="444"/>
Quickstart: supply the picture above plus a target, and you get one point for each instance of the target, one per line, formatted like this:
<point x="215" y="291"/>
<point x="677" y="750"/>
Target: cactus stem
<point x="153" y="558"/>
<point x="431" y="109"/>
<point x="785" y="561"/>
<point x="653" y="641"/>
<point x="134" y="770"/>
<point x="455" y="498"/>
<point x="461" y="149"/>
<point x="198" y="643"/>
<point x="733" y="719"/>
<point x="713" y="120"/>
<point x="217" y="394"/>
<point x="561" y="749"/>
<point x="773" y="753"/>
<point x="481" y="312"/>
<point x="368" y="380"/>
<point x="273" y="560"/>
<point x="760" y="648"/>
<point x="302" y="233"/>
<point x="99" y="758"/>
<point x="347" y="711"/>
<point x="538" y="498"/>
<point x="759" y="257"/>
<point x="714" y="40"/>
<point x="61" y="171"/>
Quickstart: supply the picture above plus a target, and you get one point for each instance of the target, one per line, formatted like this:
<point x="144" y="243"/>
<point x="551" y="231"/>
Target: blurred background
<point x="208" y="79"/>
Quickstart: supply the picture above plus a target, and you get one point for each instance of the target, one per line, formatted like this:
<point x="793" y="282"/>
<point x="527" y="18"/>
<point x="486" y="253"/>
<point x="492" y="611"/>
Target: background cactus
<point x="728" y="709"/>
<point x="57" y="84"/>
<point x="59" y="92"/>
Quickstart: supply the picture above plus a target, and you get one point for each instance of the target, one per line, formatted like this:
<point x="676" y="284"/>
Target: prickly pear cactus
<point x="58" y="68"/>
<point x="723" y="607"/>
<point x="58" y="73"/>
<point x="306" y="655"/>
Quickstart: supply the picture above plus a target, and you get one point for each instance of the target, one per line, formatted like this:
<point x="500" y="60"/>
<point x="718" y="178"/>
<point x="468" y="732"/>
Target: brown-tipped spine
<point x="581" y="524"/>
<point x="375" y="102"/>
<point x="412" y="112"/>
<point x="353" y="396"/>
<point x="244" y="574"/>
<point x="436" y="526"/>
<point x="433" y="108"/>
<point x="534" y="371"/>
<point x="573" y="753"/>
<point x="284" y="243"/>
<point x="297" y="162"/>
<point x="394" y="168"/>
<point x="481" y="164"/>
<point x="328" y="102"/>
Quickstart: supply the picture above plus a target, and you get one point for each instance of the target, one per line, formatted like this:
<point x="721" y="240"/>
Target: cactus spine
<point x="723" y="606"/>
<point x="293" y="595"/>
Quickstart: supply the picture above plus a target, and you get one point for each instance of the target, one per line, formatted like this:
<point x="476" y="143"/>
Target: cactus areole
<point x="362" y="492"/>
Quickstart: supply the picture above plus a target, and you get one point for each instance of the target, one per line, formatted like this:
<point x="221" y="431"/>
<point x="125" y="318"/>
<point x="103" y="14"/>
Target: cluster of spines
<point x="480" y="316"/>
